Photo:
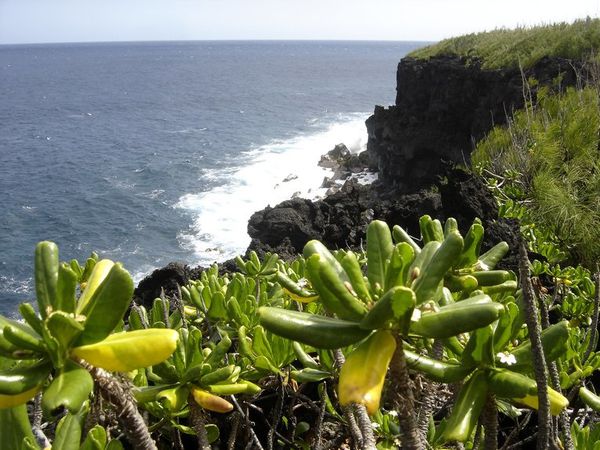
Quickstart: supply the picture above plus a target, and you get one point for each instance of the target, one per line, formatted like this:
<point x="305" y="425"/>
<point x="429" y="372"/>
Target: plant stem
<point x="120" y="397"/>
<point x="198" y="423"/>
<point x="364" y="423"/>
<point x="403" y="399"/>
<point x="490" y="423"/>
<point x="540" y="369"/>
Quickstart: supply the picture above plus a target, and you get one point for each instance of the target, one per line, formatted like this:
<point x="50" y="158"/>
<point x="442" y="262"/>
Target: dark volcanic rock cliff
<point x="443" y="107"/>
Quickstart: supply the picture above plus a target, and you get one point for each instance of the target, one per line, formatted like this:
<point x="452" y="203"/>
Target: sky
<point x="40" y="21"/>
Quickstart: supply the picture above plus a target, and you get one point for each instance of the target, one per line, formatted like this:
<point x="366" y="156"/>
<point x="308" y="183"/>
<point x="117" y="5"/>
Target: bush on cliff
<point x="522" y="46"/>
<point x="548" y="162"/>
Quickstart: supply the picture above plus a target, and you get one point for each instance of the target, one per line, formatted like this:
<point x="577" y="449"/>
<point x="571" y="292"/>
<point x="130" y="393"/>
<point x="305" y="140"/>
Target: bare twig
<point x="316" y="443"/>
<point x="276" y="418"/>
<point x="248" y="424"/>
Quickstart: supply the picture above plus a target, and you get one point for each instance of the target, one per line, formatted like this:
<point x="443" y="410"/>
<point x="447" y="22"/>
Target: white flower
<point x="374" y="425"/>
<point x="393" y="413"/>
<point x="416" y="315"/>
<point x="506" y="358"/>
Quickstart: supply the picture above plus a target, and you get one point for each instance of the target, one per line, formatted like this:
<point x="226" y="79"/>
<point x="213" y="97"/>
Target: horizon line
<point x="213" y="40"/>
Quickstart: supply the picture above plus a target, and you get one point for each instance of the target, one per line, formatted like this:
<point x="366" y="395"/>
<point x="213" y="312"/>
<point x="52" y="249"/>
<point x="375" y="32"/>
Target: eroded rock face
<point x="443" y="107"/>
<point x="340" y="220"/>
<point x="166" y="278"/>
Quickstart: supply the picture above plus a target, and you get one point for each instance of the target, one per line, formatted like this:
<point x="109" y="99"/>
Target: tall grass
<point x="522" y="46"/>
<point x="549" y="158"/>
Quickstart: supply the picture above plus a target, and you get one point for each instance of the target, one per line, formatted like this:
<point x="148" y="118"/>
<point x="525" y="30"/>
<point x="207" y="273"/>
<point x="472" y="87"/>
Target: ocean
<point x="155" y="152"/>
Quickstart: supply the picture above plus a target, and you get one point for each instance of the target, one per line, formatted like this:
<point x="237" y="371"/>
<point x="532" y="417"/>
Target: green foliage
<point x="275" y="329"/>
<point x="522" y="46"/>
<point x="545" y="170"/>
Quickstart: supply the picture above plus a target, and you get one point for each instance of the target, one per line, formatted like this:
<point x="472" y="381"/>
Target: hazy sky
<point x="26" y="21"/>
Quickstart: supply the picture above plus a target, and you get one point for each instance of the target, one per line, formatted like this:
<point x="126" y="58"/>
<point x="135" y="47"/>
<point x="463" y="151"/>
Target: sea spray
<point x="272" y="173"/>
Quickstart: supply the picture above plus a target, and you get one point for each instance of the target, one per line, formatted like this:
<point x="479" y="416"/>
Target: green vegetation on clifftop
<point x="548" y="164"/>
<point x="523" y="46"/>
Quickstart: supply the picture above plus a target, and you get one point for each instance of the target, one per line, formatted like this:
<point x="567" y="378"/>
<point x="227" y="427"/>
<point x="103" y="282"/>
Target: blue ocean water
<point x="154" y="152"/>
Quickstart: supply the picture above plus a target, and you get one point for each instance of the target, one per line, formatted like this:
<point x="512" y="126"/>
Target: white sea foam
<point x="273" y="173"/>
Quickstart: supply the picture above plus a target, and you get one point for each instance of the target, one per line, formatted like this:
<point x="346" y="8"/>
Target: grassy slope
<point x="524" y="46"/>
<point x="549" y="159"/>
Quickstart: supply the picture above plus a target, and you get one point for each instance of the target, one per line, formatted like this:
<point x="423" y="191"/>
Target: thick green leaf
<point x="66" y="287"/>
<point x="379" y="251"/>
<point x="46" y="276"/>
<point x="480" y="348"/>
<point x="64" y="328"/>
<point x="68" y="431"/>
<point x="211" y="430"/>
<point x="69" y="389"/>
<point x="95" y="440"/>
<point x="505" y="330"/>
<point x="107" y="306"/>
<point x="14" y="427"/>
<point x="97" y="272"/>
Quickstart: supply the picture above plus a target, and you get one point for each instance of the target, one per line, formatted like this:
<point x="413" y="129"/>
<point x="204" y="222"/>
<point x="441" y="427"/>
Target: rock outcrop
<point x="444" y="106"/>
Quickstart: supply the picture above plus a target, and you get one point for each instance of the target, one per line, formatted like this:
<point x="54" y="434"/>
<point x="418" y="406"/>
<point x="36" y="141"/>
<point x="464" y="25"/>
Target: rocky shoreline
<point x="417" y="146"/>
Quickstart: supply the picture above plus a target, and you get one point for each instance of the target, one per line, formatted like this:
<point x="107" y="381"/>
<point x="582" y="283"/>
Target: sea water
<point x="155" y="152"/>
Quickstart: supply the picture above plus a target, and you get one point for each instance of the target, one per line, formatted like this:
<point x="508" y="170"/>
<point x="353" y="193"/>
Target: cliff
<point x="443" y="106"/>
